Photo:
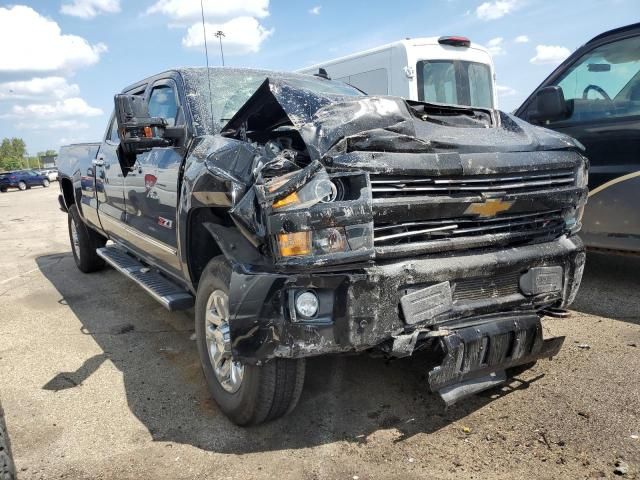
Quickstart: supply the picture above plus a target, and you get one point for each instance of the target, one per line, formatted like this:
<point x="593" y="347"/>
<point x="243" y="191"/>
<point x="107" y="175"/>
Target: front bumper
<point x="361" y="309"/>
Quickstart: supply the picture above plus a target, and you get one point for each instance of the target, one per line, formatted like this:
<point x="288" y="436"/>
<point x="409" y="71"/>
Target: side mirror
<point x="138" y="132"/>
<point x="549" y="105"/>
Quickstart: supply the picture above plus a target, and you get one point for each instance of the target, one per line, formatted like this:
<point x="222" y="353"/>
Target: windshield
<point x="231" y="88"/>
<point x="455" y="82"/>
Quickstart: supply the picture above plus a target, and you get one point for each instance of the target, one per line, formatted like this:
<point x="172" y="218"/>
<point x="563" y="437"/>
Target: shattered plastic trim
<point x="286" y="138"/>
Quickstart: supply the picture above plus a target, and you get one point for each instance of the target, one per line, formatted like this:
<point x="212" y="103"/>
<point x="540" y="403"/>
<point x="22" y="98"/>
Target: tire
<point x="45" y="183"/>
<point x="84" y="243"/>
<point x="7" y="467"/>
<point x="265" y="392"/>
<point x="22" y="186"/>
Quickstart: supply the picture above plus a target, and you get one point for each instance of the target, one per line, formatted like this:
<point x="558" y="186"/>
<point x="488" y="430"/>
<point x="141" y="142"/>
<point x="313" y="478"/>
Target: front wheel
<point x="22" y="186"/>
<point x="45" y="183"/>
<point x="247" y="394"/>
<point x="84" y="242"/>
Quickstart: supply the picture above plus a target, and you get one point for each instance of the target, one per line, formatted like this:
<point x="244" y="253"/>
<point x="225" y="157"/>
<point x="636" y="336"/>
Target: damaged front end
<point x="371" y="222"/>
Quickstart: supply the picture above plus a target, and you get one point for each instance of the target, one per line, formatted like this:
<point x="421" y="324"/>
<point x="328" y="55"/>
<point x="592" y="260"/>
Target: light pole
<point x="220" y="34"/>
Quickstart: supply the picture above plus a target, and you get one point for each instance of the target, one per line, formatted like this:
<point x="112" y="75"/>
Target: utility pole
<point x="220" y="34"/>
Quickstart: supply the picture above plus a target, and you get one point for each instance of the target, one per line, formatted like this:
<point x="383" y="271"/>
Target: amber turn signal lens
<point x="147" y="132"/>
<point x="288" y="200"/>
<point x="293" y="244"/>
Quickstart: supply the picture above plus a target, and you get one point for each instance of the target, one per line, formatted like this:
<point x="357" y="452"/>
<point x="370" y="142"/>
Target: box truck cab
<point x="449" y="70"/>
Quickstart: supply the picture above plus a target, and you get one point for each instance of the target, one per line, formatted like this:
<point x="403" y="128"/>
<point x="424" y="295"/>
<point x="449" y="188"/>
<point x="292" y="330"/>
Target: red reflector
<point x="150" y="180"/>
<point x="455" y="41"/>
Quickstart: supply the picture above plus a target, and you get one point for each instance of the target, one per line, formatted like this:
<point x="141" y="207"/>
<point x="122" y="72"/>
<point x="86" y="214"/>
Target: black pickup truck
<point x="301" y="217"/>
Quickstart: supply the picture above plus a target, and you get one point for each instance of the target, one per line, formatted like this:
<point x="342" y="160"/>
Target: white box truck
<point x="449" y="70"/>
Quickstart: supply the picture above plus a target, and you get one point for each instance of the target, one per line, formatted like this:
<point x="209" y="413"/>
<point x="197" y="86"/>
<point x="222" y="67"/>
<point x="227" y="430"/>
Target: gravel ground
<point x="98" y="381"/>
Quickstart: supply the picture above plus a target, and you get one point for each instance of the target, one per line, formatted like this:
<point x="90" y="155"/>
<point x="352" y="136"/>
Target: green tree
<point x="12" y="153"/>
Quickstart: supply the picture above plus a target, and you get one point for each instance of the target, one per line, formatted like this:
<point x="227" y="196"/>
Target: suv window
<point x="605" y="82"/>
<point x="162" y="103"/>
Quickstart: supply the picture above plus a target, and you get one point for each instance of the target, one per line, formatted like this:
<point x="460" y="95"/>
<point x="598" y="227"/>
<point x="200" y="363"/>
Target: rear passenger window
<point x="162" y="103"/>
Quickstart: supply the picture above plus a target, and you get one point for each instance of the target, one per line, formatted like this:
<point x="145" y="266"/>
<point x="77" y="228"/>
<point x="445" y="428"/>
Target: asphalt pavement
<point x="97" y="381"/>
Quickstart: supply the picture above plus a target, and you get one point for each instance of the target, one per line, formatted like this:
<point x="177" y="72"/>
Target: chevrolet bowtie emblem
<point x="488" y="208"/>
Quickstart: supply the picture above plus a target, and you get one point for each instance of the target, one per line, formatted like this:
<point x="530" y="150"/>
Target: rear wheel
<point x="22" y="185"/>
<point x="84" y="242"/>
<point x="45" y="183"/>
<point x="247" y="394"/>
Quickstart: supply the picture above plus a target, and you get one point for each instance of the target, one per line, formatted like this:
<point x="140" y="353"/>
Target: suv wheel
<point x="84" y="242"/>
<point x="45" y="183"/>
<point x="247" y="394"/>
<point x="22" y="185"/>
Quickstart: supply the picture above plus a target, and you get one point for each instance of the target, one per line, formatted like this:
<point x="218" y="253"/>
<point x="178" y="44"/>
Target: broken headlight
<point x="573" y="217"/>
<point x="582" y="176"/>
<point x="319" y="189"/>
<point x="319" y="242"/>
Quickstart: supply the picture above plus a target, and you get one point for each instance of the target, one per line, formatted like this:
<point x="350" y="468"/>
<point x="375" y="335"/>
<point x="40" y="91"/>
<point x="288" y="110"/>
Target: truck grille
<point x="482" y="288"/>
<point x="383" y="186"/>
<point x="536" y="224"/>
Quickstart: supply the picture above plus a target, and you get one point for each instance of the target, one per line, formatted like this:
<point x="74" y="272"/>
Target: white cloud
<point x="242" y="35"/>
<point x="61" y="109"/>
<point x="521" y="39"/>
<point x="495" y="9"/>
<point x="214" y="10"/>
<point x="90" y="8"/>
<point x="38" y="88"/>
<point x="34" y="43"/>
<point x="496" y="46"/>
<point x="504" y="91"/>
<point x="315" y="10"/>
<point x="550" y="54"/>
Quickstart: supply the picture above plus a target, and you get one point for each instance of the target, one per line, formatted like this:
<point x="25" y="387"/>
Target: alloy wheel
<point x="228" y="372"/>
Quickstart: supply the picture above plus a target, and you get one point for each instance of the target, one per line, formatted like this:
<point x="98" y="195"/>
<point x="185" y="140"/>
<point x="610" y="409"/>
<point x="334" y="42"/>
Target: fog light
<point x="539" y="280"/>
<point x="307" y="304"/>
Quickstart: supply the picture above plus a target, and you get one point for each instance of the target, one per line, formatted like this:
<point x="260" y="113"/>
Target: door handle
<point x="98" y="162"/>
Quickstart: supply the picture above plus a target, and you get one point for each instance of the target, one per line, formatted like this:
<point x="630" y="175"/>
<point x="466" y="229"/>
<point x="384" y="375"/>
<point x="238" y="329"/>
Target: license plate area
<point x="426" y="304"/>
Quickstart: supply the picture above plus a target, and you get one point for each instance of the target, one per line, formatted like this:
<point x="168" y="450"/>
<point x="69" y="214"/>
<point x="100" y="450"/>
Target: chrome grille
<point x="539" y="223"/>
<point x="393" y="186"/>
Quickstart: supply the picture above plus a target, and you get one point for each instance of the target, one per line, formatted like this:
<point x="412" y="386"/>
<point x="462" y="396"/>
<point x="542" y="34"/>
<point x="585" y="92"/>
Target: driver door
<point x="603" y="89"/>
<point x="151" y="185"/>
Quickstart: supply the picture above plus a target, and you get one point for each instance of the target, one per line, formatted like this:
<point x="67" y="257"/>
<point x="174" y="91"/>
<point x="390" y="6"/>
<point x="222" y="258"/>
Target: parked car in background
<point x="50" y="173"/>
<point x="449" y="70"/>
<point x="594" y="96"/>
<point x="22" y="180"/>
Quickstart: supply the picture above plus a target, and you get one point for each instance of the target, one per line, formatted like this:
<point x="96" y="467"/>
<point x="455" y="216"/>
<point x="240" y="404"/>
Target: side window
<point x="605" y="82"/>
<point x="373" y="82"/>
<point x="162" y="103"/>
<point x="113" y="131"/>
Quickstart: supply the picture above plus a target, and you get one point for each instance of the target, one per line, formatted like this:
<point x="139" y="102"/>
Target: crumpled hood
<point x="331" y="124"/>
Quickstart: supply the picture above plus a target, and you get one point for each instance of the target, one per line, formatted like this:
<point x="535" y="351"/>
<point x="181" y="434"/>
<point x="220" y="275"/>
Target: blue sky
<point x="69" y="57"/>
